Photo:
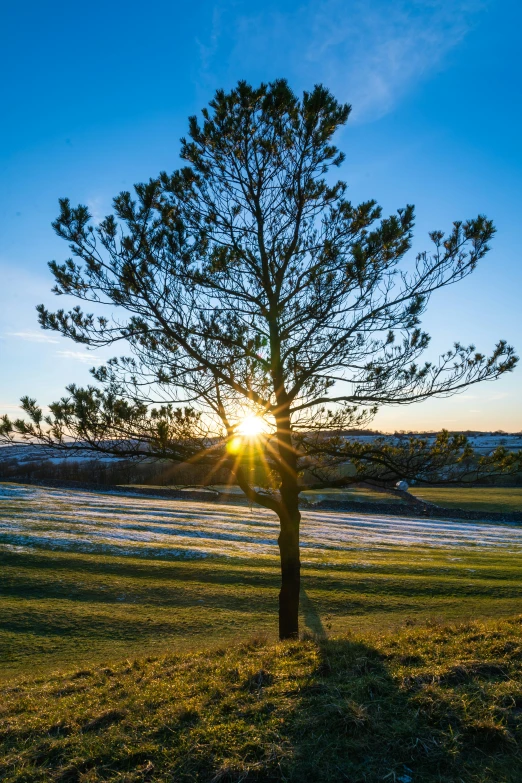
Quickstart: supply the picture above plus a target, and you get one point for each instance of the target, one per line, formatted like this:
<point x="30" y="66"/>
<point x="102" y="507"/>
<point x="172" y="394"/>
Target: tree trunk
<point x="290" y="568"/>
<point x="288" y="511"/>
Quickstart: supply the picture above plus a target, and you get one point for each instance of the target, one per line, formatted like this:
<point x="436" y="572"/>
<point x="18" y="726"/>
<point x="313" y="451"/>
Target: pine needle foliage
<point x="246" y="282"/>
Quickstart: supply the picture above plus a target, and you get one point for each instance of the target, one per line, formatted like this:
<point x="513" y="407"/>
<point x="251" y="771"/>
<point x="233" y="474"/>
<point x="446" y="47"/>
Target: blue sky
<point x="96" y="96"/>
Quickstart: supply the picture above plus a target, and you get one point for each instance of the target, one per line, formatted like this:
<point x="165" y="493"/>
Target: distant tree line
<point x="166" y="473"/>
<point x="102" y="472"/>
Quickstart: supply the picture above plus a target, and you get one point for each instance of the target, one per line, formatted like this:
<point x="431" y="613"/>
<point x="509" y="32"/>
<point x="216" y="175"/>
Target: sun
<point x="251" y="426"/>
<point x="247" y="430"/>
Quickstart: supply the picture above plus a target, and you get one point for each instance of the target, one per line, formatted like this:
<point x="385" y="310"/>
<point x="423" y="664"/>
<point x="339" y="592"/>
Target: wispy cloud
<point x="208" y="46"/>
<point x="96" y="208"/>
<point x="379" y="51"/>
<point x="80" y="356"/>
<point x="10" y="407"/>
<point x="33" y="337"/>
<point x="370" y="54"/>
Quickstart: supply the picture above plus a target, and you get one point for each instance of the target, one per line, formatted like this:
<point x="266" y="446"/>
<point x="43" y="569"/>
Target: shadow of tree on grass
<point x="311" y="616"/>
<point x="357" y="722"/>
<point x="353" y="723"/>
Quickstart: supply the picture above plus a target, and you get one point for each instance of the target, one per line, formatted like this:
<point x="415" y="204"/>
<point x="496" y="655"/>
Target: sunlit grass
<point x="434" y="703"/>
<point x="86" y="576"/>
<point x="473" y="498"/>
<point x="123" y="658"/>
<point x="63" y="607"/>
<point x="498" y="499"/>
<point x="352" y="494"/>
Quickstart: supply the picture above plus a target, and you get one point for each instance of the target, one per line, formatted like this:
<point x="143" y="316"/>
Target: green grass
<point x="473" y="498"/>
<point x="86" y="577"/>
<point x="123" y="659"/>
<point x="437" y="704"/>
<point x="354" y="494"/>
<point x="502" y="499"/>
<point x="63" y="608"/>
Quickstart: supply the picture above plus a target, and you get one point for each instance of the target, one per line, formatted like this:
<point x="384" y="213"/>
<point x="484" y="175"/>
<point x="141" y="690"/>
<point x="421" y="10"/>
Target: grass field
<point x="436" y="704"/>
<point x="485" y="499"/>
<point x="474" y="498"/>
<point x="122" y="628"/>
<point x="87" y="576"/>
<point x="503" y="499"/>
<point x="355" y="495"/>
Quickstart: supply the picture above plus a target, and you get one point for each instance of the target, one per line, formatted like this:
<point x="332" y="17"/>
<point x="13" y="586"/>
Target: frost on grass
<point x="36" y="517"/>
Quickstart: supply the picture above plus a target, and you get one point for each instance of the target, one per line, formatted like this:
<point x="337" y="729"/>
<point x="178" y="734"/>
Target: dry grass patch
<point x="433" y="703"/>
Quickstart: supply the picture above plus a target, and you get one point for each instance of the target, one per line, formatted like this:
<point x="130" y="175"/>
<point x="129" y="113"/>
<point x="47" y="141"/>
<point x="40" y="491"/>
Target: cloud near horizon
<point x="7" y="407"/>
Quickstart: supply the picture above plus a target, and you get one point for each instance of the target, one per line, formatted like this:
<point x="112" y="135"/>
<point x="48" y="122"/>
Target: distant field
<point x="357" y="494"/>
<point x="475" y="498"/>
<point x="90" y="577"/>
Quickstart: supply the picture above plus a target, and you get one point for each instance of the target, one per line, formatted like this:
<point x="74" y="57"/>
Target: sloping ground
<point x="479" y="499"/>
<point x="438" y="704"/>
<point x="86" y="577"/>
<point x="116" y="524"/>
<point x="494" y="504"/>
<point x="425" y="509"/>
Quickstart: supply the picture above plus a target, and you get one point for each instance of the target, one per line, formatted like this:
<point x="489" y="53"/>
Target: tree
<point x="249" y="284"/>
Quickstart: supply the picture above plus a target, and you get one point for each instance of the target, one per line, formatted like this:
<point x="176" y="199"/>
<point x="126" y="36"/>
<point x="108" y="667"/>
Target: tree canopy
<point x="246" y="282"/>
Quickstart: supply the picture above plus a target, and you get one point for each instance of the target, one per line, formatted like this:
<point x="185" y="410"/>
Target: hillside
<point x="31" y="462"/>
<point x="438" y="703"/>
<point x="91" y="576"/>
